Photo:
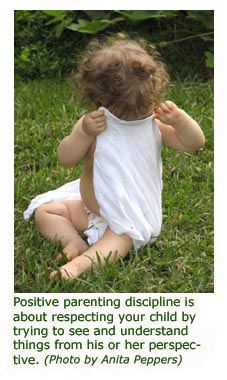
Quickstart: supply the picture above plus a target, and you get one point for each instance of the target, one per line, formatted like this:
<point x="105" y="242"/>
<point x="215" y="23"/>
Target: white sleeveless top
<point x="127" y="180"/>
<point x="128" y="177"/>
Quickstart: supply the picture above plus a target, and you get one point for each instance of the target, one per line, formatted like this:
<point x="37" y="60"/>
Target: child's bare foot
<point x="70" y="270"/>
<point x="96" y="255"/>
<point x="71" y="251"/>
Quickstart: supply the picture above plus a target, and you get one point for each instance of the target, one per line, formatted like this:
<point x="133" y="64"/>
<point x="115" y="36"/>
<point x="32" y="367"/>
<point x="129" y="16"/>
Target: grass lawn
<point x="181" y="260"/>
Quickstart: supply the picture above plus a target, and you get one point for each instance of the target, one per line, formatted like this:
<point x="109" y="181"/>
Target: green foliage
<point x="139" y="15"/>
<point x="61" y="18"/>
<point x="209" y="59"/>
<point x="205" y="18"/>
<point x="91" y="22"/>
<point x="182" y="258"/>
<point x="41" y="50"/>
<point x="47" y="42"/>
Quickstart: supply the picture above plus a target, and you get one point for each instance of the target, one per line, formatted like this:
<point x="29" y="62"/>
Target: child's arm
<point x="75" y="146"/>
<point x="178" y="129"/>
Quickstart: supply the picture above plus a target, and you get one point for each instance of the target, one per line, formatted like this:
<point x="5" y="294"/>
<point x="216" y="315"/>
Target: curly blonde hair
<point x="125" y="76"/>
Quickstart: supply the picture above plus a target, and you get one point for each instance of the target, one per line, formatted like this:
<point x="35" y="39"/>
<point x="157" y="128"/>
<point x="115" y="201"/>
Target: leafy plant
<point x="94" y="22"/>
<point x="47" y="42"/>
<point x="141" y="15"/>
<point x="40" y="50"/>
<point x="61" y="18"/>
<point x="206" y="18"/>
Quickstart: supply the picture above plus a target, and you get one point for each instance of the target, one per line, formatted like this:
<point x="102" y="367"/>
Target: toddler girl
<point x="117" y="201"/>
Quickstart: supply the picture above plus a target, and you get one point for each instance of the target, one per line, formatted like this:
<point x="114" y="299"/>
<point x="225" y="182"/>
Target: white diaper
<point x="97" y="226"/>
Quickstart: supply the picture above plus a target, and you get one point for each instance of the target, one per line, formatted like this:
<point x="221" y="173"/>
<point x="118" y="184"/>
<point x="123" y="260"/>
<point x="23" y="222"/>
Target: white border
<point x="211" y="305"/>
<point x="89" y="4"/>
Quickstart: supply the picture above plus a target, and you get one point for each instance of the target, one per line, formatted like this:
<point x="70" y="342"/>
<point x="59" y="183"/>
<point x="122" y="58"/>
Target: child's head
<point x="124" y="77"/>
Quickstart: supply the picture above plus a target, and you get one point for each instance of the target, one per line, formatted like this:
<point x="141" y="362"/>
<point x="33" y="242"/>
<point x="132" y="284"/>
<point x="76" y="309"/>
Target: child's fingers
<point x="158" y="111"/>
<point x="171" y="106"/>
<point x="97" y="114"/>
<point x="164" y="107"/>
<point x="101" y="125"/>
<point x="99" y="120"/>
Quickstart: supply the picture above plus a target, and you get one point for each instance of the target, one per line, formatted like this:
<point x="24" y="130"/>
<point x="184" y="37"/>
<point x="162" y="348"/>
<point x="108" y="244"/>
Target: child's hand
<point x="167" y="112"/>
<point x="94" y="123"/>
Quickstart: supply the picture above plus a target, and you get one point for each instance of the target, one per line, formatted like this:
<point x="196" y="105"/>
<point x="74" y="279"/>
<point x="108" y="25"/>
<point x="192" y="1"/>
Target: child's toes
<point x="59" y="257"/>
<point x="65" y="255"/>
<point x="55" y="275"/>
<point x="61" y="274"/>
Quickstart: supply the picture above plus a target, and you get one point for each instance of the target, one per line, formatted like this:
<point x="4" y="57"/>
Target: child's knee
<point x="47" y="209"/>
<point x="40" y="213"/>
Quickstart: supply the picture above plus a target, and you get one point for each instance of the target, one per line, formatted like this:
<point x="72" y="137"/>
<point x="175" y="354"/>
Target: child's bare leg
<point x="62" y="221"/>
<point x="119" y="245"/>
